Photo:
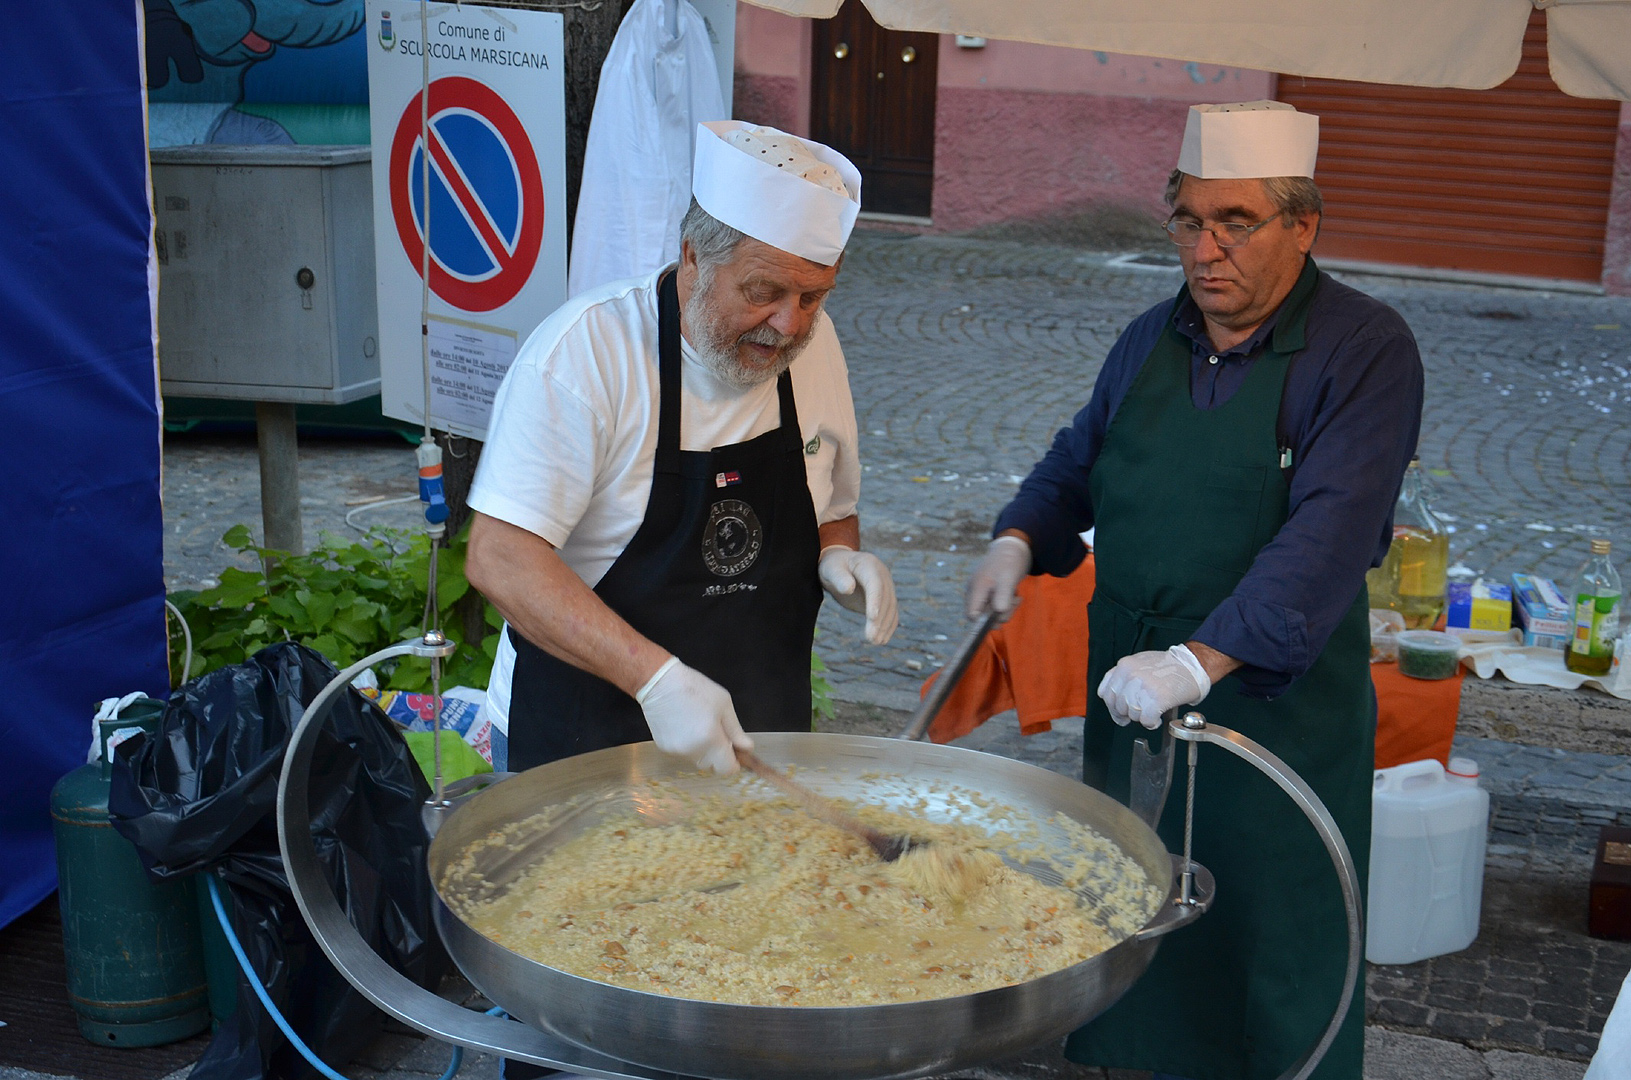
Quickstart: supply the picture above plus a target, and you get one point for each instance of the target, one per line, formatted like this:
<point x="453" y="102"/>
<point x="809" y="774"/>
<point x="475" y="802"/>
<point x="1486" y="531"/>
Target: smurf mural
<point x="256" y="71"/>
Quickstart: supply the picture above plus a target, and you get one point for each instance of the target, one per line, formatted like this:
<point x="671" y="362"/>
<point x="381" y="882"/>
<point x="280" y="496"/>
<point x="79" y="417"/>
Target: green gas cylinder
<point x="135" y="958"/>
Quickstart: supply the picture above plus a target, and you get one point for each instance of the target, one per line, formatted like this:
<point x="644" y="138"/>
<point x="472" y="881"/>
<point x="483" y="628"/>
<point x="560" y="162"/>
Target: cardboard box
<point x="1609" y="911"/>
<point x="1541" y="611"/>
<point x="1478" y="606"/>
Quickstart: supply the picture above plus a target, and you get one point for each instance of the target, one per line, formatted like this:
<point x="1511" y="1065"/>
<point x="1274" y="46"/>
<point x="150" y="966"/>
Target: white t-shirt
<point x="573" y="438"/>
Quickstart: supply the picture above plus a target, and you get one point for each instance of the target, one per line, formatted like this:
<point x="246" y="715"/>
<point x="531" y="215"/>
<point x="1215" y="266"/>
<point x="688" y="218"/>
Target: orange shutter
<point x="1513" y="180"/>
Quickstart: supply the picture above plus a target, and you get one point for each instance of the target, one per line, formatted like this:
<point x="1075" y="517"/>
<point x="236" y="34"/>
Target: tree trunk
<point x="459" y="457"/>
<point x="588" y="38"/>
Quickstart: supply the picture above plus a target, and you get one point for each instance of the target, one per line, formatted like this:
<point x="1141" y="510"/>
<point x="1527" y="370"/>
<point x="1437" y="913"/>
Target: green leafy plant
<point x="821" y="706"/>
<point x="345" y="600"/>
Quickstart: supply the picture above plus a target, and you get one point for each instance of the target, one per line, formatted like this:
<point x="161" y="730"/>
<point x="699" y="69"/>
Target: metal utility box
<point x="266" y="273"/>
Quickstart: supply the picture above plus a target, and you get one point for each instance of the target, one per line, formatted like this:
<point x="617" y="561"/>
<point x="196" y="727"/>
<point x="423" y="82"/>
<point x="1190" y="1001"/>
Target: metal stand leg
<point x="280" y="476"/>
<point x="1193" y="729"/>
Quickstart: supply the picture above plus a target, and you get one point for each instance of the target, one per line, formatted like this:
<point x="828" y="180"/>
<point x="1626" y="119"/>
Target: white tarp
<point x="1465" y="43"/>
<point x="1589" y="47"/>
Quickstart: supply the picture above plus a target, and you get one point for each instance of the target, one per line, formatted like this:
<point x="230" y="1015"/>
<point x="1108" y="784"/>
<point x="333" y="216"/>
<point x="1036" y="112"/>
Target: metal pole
<point x="424" y="201"/>
<point x="1188" y="881"/>
<point x="280" y="475"/>
<point x="948" y="678"/>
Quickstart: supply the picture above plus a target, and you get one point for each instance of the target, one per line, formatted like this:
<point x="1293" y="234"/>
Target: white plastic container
<point x="1428" y="831"/>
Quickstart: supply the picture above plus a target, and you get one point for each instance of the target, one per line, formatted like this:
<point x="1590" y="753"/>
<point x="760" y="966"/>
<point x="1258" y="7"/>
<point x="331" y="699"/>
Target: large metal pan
<point x="741" y="1042"/>
<point x="588" y="1027"/>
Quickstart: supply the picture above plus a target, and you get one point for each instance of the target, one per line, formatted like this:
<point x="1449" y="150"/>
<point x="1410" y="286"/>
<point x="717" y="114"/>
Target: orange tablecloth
<point x="1036" y="664"/>
<point x="1415" y="718"/>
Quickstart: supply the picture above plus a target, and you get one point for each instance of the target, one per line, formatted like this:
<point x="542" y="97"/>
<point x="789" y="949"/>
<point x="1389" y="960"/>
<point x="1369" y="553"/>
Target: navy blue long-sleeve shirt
<point x="1351" y="414"/>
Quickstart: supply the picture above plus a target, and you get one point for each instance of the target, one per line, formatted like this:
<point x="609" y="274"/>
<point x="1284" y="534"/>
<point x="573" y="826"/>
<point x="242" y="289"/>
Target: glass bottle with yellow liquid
<point x="1411" y="578"/>
<point x="1590" y="650"/>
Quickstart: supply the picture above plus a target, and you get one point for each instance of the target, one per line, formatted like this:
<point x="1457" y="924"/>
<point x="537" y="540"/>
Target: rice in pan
<point x="743" y="898"/>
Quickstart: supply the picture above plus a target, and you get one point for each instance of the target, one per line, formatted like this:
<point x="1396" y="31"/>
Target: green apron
<point x="1183" y="499"/>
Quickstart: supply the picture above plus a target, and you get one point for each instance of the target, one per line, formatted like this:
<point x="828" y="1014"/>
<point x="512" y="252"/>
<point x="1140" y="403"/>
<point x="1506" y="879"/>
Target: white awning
<point x="1467" y="43"/>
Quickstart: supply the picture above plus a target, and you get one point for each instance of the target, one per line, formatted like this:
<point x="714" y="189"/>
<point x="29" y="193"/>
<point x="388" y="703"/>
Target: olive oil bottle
<point x="1590" y="650"/>
<point x="1412" y="576"/>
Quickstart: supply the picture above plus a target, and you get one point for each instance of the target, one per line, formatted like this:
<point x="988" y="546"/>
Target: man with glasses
<point x="1239" y="460"/>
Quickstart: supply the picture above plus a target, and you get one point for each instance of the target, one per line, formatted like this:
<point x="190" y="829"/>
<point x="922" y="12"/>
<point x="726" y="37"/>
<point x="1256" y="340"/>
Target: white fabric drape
<point x="658" y="82"/>
<point x="1588" y="45"/>
<point x="1465" y="43"/>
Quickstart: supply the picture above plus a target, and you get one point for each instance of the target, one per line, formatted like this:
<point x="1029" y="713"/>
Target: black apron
<point x="721" y="573"/>
<point x="1184" y="498"/>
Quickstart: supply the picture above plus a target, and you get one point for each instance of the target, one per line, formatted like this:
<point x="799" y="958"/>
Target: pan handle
<point x="1178" y="913"/>
<point x="1193" y="728"/>
<point x="351" y="955"/>
<point x="949" y="676"/>
<point x="455" y="795"/>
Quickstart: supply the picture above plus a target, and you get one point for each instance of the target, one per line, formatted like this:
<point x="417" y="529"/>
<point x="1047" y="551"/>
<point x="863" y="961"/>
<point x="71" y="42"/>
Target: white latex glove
<point x="1144" y="685"/>
<point x="1004" y="566"/>
<point x="692" y="717"/>
<point x="860" y="581"/>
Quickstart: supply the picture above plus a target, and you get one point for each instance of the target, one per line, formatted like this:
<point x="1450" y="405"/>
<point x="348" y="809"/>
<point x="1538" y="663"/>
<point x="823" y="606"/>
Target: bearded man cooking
<point x="1239" y="460"/>
<point x="671" y="478"/>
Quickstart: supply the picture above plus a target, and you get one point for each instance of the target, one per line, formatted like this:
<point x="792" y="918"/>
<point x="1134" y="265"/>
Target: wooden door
<point x="1512" y="180"/>
<point x="872" y="99"/>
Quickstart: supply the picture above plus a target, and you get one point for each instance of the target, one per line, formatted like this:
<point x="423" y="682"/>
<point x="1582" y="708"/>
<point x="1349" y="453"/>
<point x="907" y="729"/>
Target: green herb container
<point x="1428" y="654"/>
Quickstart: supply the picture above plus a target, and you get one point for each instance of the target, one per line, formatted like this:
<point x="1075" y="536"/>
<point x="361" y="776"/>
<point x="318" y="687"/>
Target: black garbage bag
<point x="201" y="794"/>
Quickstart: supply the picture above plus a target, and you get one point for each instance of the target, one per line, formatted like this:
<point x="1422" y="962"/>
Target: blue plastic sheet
<point x="81" y="549"/>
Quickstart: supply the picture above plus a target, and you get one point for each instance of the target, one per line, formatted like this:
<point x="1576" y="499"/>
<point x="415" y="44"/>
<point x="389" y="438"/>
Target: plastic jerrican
<point x="1428" y="831"/>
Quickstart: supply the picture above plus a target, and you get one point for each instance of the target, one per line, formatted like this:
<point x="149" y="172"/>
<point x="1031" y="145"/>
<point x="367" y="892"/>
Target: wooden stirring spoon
<point x="888" y="846"/>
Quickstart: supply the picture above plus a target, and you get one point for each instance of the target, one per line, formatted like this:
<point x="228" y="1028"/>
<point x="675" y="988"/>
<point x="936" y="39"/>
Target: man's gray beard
<point x="716" y="349"/>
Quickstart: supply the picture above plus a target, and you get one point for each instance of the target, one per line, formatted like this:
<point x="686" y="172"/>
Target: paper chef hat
<point x="782" y="190"/>
<point x="1247" y="140"/>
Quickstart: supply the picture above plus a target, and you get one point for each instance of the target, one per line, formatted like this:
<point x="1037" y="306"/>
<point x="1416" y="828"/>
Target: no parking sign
<point x="497" y="198"/>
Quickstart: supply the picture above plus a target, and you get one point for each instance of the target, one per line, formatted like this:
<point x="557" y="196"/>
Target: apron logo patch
<point x="813" y="447"/>
<point x="732" y="538"/>
<point x="726" y="479"/>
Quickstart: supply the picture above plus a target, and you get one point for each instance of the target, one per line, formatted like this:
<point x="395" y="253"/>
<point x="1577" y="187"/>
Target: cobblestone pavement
<point x="966" y="356"/>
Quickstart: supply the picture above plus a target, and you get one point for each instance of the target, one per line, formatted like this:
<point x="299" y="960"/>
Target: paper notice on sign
<point x="491" y="135"/>
<point x="467" y="364"/>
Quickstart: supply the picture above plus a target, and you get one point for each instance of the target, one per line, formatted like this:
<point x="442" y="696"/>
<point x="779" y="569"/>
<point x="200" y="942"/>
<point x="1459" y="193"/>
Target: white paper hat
<point x="1249" y="139"/>
<point x="753" y="179"/>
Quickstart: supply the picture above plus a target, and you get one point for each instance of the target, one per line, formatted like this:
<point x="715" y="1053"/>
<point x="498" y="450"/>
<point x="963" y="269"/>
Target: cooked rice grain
<point x="748" y="900"/>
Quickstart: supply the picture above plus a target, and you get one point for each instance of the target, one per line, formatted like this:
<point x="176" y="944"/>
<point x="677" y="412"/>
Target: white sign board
<point x="497" y="199"/>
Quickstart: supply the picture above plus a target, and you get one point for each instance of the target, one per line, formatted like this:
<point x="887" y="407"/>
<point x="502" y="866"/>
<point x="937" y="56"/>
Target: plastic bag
<point x="201" y="794"/>
<point x="1385" y="625"/>
<point x="1613" y="1057"/>
<point x="467" y="729"/>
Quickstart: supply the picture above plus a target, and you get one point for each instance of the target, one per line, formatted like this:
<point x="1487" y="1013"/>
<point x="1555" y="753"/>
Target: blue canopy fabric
<point x="81" y="553"/>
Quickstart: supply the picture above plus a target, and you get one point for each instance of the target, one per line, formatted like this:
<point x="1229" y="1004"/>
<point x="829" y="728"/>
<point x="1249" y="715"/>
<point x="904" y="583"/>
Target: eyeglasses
<point x="1227" y="234"/>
